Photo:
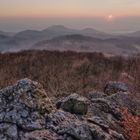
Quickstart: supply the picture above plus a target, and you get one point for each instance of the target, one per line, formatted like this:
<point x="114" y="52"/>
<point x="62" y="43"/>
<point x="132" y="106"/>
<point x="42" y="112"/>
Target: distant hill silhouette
<point x="62" y="38"/>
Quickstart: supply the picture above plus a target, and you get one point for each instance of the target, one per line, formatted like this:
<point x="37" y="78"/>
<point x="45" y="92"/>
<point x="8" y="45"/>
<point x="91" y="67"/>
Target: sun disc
<point x="110" y="16"/>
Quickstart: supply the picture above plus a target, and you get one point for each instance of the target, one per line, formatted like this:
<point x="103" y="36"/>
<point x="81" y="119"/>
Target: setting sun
<point x="110" y="17"/>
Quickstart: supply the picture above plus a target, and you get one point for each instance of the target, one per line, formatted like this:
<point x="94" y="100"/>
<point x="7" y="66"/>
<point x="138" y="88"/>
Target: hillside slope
<point x="76" y="42"/>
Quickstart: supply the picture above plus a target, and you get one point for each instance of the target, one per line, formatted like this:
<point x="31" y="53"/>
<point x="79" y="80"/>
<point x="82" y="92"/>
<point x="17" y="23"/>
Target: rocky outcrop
<point x="114" y="87"/>
<point x="27" y="113"/>
<point x="22" y="108"/>
<point x="71" y="127"/>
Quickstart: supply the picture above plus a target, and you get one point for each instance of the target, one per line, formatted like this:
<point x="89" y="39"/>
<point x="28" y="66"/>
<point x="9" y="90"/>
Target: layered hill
<point x="80" y="43"/>
<point x="61" y="38"/>
<point x="25" y="39"/>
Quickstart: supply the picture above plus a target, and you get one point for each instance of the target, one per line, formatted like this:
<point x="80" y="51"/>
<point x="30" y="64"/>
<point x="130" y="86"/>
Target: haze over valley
<point x="59" y="37"/>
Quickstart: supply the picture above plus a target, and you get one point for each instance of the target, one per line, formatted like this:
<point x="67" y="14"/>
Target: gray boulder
<point x="74" y="104"/>
<point x="23" y="106"/>
<point x="113" y="87"/>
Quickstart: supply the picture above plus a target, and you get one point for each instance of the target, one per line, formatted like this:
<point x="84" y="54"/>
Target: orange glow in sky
<point x="105" y="15"/>
<point x="69" y="8"/>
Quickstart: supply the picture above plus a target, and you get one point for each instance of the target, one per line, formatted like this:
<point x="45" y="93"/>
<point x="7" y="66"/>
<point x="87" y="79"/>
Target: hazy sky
<point x="107" y="15"/>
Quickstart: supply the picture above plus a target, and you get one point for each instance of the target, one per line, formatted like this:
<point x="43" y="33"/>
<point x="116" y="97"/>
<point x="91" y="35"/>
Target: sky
<point x="106" y="15"/>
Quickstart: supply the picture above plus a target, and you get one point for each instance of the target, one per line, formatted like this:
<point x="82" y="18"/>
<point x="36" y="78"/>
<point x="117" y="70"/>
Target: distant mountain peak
<point x="89" y="29"/>
<point x="57" y="26"/>
<point x="134" y="34"/>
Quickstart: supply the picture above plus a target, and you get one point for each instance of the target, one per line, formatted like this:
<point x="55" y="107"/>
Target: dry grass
<point x="64" y="72"/>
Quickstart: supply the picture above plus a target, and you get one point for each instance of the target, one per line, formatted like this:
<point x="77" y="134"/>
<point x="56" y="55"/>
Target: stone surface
<point x="74" y="104"/>
<point x="40" y="135"/>
<point x="76" y="131"/>
<point x="26" y="113"/>
<point x="70" y="127"/>
<point x="107" y="110"/>
<point x="114" y="87"/>
<point x="23" y="106"/>
<point x="8" y="131"/>
<point x="123" y="100"/>
<point x="85" y="131"/>
<point x="96" y="94"/>
<point x="97" y="120"/>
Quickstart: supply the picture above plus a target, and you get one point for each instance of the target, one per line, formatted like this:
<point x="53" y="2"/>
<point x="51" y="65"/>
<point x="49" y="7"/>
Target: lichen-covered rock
<point x="55" y="119"/>
<point x="105" y="115"/>
<point x="8" y="131"/>
<point x="23" y="105"/>
<point x="70" y="127"/>
<point x="76" y="131"/>
<point x="114" y="87"/>
<point x="123" y="100"/>
<point x="40" y="135"/>
<point x="99" y="134"/>
<point x="97" y="120"/>
<point x="108" y="111"/>
<point x="96" y="94"/>
<point x="25" y="114"/>
<point x="85" y="131"/>
<point x="104" y="108"/>
<point x="74" y="104"/>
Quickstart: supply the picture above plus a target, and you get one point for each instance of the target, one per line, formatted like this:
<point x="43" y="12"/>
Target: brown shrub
<point x="131" y="125"/>
<point x="64" y="72"/>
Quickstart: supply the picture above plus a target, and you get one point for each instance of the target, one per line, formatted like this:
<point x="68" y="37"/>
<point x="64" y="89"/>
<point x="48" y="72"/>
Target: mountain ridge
<point x="28" y="38"/>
